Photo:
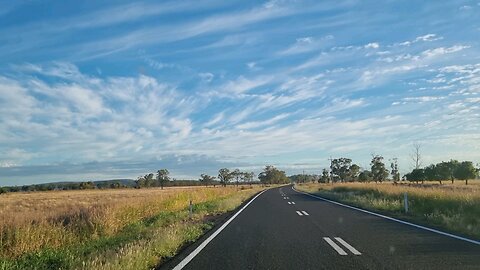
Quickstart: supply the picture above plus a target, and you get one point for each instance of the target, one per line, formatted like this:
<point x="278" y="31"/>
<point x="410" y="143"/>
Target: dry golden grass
<point x="458" y="190"/>
<point x="454" y="207"/>
<point x="32" y="221"/>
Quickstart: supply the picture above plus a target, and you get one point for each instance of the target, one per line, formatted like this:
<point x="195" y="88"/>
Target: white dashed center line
<point x="348" y="246"/>
<point x="338" y="249"/>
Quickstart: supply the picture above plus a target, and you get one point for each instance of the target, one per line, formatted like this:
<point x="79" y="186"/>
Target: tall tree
<point x="416" y="175"/>
<point x="416" y="156"/>
<point x="340" y="168"/>
<point x="237" y="174"/>
<point x="394" y="170"/>
<point x="465" y="170"/>
<point x="272" y="175"/>
<point x="206" y="179"/>
<point x="162" y="177"/>
<point x="445" y="170"/>
<point x="248" y="177"/>
<point x="224" y="175"/>
<point x="431" y="173"/>
<point x="365" y="176"/>
<point x="379" y="172"/>
<point x="140" y="182"/>
<point x="149" y="181"/>
<point x="353" y="172"/>
<point x="325" y="178"/>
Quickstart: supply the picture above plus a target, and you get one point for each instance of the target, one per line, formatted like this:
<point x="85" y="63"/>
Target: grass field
<point x="106" y="229"/>
<point x="451" y="207"/>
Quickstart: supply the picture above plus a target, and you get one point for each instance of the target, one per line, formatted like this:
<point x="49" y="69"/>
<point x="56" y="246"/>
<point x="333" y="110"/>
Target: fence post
<point x="191" y="209"/>
<point x="405" y="201"/>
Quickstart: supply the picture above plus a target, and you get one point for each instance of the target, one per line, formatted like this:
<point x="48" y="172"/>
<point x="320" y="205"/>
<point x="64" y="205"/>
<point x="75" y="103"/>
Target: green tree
<point x="272" y="175"/>
<point x="224" y="175"/>
<point x="87" y="185"/>
<point x="325" y="178"/>
<point x="431" y="173"/>
<point x="465" y="170"/>
<point x="394" y="170"/>
<point x="162" y="177"/>
<point x="237" y="174"/>
<point x="353" y="172"/>
<point x="379" y="172"/>
<point x="365" y="176"/>
<point x="445" y="170"/>
<point x="340" y="169"/>
<point x="140" y="182"/>
<point x="149" y="181"/>
<point x="416" y="175"/>
<point x="206" y="179"/>
<point x="248" y="177"/>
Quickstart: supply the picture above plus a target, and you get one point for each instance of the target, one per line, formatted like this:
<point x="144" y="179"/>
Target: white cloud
<point x="307" y="44"/>
<point x="443" y="50"/>
<point x="265" y="124"/>
<point x="215" y="120"/>
<point x="373" y="45"/>
<point x="424" y="38"/>
<point x="428" y="37"/>
<point x="423" y="99"/>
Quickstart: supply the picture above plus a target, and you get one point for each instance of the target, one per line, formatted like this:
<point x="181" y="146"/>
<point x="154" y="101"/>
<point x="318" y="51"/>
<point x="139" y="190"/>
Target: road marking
<point x="289" y="202"/>
<point x="393" y="219"/>
<point x="338" y="249"/>
<point x="194" y="253"/>
<point x="305" y="213"/>
<point x="348" y="246"/>
<point x="299" y="213"/>
<point x="287" y="197"/>
<point x="293" y="202"/>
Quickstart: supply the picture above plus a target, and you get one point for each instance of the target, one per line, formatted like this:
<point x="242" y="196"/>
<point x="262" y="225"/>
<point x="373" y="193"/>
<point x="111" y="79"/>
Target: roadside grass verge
<point x="447" y="207"/>
<point x="138" y="235"/>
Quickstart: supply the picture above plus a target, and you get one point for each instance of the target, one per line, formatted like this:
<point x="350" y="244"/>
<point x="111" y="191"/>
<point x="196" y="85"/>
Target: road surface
<point x="285" y="229"/>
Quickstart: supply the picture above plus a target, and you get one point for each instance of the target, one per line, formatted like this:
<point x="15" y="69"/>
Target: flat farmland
<point x="103" y="229"/>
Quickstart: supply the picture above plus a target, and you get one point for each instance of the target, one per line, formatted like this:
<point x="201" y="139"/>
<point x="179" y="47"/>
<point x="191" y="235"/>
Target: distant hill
<point x="97" y="184"/>
<point x="113" y="183"/>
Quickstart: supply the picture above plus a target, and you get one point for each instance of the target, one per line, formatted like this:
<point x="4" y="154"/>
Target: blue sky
<point x="116" y="89"/>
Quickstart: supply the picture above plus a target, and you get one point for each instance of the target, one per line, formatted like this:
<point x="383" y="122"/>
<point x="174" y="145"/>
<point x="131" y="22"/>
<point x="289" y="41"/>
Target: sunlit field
<point x="452" y="207"/>
<point x="102" y="229"/>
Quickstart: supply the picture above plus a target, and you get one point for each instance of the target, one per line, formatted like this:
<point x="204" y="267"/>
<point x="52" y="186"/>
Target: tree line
<point x="444" y="171"/>
<point x="269" y="175"/>
<point x="343" y="170"/>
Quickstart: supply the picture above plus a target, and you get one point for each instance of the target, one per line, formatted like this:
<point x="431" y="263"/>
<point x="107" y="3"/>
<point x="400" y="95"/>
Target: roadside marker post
<point x="405" y="201"/>
<point x="191" y="209"/>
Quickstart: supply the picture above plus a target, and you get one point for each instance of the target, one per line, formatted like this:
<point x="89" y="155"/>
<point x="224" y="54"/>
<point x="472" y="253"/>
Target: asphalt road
<point x="284" y="229"/>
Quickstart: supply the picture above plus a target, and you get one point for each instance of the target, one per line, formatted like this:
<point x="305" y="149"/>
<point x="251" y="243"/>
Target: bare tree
<point x="416" y="156"/>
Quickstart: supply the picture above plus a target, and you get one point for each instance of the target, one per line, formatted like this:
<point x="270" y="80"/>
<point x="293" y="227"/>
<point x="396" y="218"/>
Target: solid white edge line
<point x="299" y="213"/>
<point x="392" y="219"/>
<point x="348" y="246"/>
<point x="194" y="253"/>
<point x="305" y="213"/>
<point x="338" y="249"/>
